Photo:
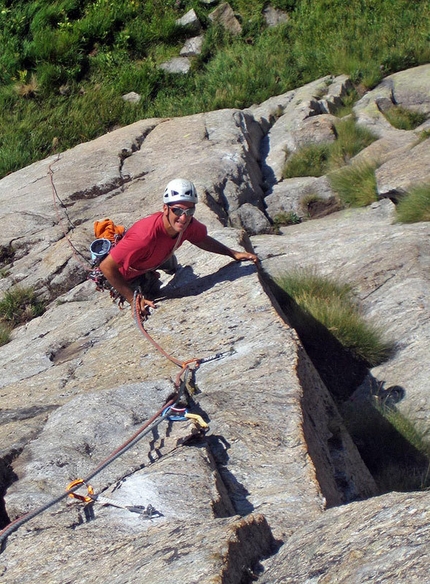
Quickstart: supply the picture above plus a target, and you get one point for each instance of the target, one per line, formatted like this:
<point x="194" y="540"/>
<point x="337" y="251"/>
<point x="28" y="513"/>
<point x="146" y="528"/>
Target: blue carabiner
<point x="175" y="418"/>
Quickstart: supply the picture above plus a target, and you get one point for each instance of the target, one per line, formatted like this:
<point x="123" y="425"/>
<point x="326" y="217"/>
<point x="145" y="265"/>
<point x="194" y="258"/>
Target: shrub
<point x="355" y="184"/>
<point x="404" y="119"/>
<point x="415" y="206"/>
<point x="19" y="305"/>
<point x="333" y="305"/>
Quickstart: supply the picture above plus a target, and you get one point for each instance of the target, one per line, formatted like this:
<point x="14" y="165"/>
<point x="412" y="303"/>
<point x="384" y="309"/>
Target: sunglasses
<point x="178" y="211"/>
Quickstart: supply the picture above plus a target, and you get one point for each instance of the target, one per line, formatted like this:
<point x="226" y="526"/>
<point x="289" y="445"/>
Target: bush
<point x="355" y="184"/>
<point x="333" y="305"/>
<point x="415" y="206"/>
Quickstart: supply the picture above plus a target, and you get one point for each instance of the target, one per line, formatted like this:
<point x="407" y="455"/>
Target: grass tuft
<point x="415" y="206"/>
<point x="355" y="184"/>
<point x="285" y="218"/>
<point x="19" y="305"/>
<point x="404" y="119"/>
<point x="311" y="160"/>
<point x="320" y="159"/>
<point x="333" y="305"/>
<point x="4" y="333"/>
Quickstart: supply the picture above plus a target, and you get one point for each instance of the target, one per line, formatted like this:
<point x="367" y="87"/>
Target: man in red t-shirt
<point x="151" y="242"/>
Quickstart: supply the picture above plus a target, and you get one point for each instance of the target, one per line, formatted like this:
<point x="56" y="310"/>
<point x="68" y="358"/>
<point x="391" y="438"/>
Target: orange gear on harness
<point x="106" y="229"/>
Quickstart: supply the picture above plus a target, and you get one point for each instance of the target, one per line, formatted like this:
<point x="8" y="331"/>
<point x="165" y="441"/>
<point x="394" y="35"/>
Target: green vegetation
<point x="415" y="206"/>
<point x="332" y="305"/>
<point x="285" y="218"/>
<point x="17" y="306"/>
<point x="311" y="160"/>
<point x="4" y="333"/>
<point x="319" y="159"/>
<point x="355" y="184"/>
<point x="396" y="451"/>
<point x="65" y="65"/>
<point x="404" y="119"/>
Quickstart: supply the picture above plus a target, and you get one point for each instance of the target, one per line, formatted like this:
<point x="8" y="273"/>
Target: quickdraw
<point x="147" y="512"/>
<point x="182" y="414"/>
<point x="85" y="498"/>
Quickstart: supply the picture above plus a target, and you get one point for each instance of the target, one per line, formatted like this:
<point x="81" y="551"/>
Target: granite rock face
<point x="275" y="490"/>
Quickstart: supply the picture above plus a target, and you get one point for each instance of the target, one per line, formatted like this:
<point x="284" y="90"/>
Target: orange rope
<point x="137" y="317"/>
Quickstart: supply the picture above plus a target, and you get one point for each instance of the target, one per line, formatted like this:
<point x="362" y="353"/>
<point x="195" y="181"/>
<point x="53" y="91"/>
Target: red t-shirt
<point x="146" y="245"/>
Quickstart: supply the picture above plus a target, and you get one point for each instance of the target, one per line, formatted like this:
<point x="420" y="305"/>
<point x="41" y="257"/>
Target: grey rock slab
<point x="224" y="550"/>
<point x="251" y="395"/>
<point x="274" y="16"/>
<point x="395" y="144"/>
<point x="251" y="219"/>
<point x="384" y="539"/>
<point x="291" y="195"/>
<point x="191" y="21"/>
<point x="289" y="130"/>
<point x="217" y="151"/>
<point x="79" y="436"/>
<point x="387" y="264"/>
<point x="400" y="174"/>
<point x="409" y="89"/>
<point x="132" y="97"/>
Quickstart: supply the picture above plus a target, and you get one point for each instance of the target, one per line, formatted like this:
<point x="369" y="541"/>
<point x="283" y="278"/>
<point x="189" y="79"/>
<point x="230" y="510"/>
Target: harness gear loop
<point x="85" y="498"/>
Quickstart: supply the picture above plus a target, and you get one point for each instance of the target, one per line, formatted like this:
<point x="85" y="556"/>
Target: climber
<point x="151" y="242"/>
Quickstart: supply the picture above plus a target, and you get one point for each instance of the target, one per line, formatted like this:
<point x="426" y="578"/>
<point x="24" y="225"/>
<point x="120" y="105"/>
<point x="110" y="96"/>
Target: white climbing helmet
<point x="180" y="190"/>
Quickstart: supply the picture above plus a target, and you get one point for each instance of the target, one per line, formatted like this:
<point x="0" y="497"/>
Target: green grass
<point x="285" y="218"/>
<point x="403" y="118"/>
<point x="415" y="206"/>
<point x="65" y="65"/>
<point x="19" y="305"/>
<point x="4" y="333"/>
<point x="320" y="159"/>
<point x="311" y="160"/>
<point x="332" y="304"/>
<point x="396" y="450"/>
<point x="355" y="184"/>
